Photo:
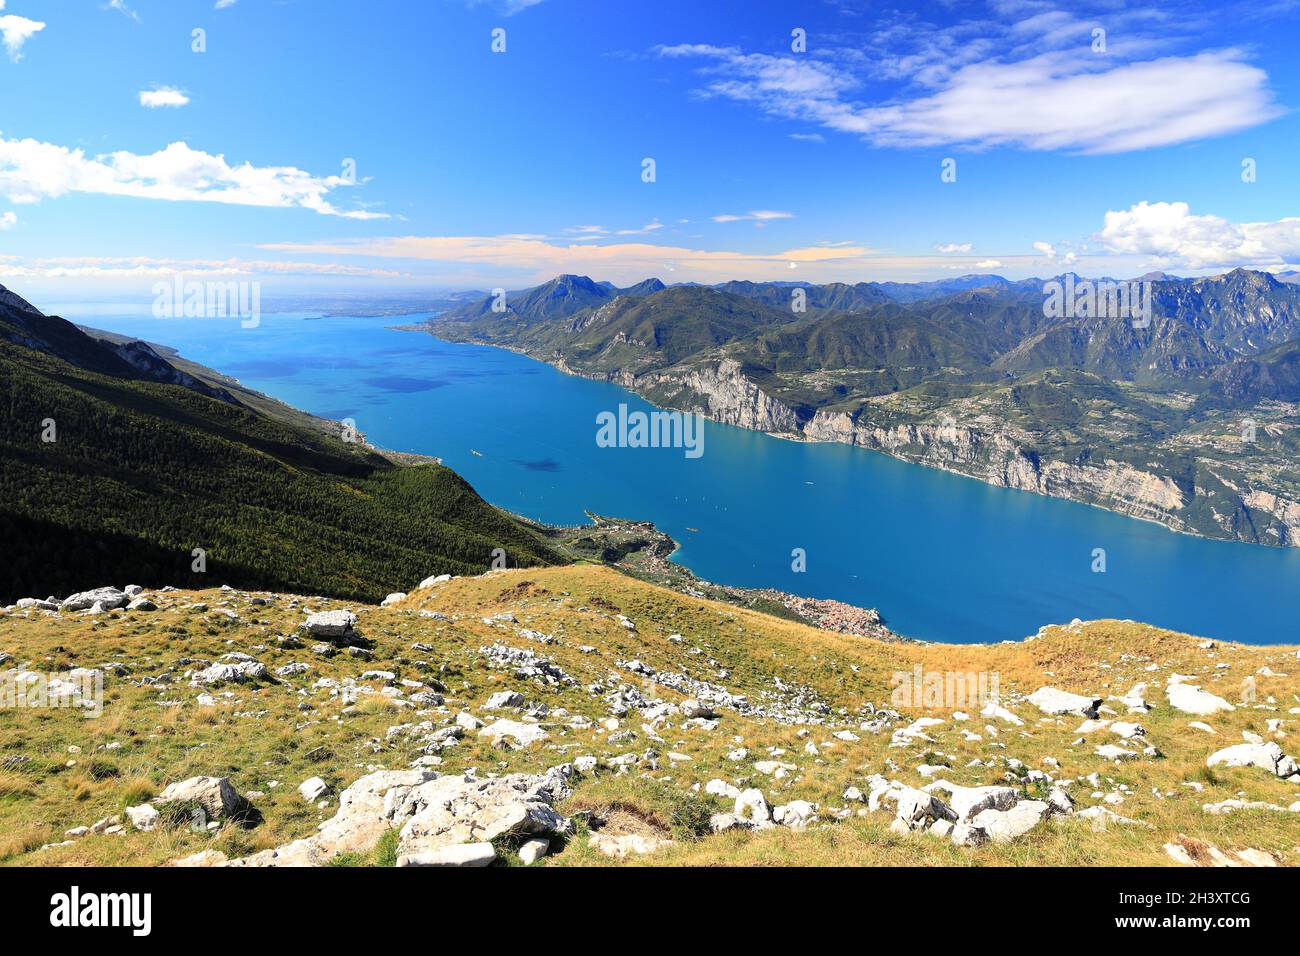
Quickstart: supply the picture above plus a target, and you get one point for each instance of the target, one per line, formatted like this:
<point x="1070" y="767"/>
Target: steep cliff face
<point x="997" y="459"/>
<point x="1285" y="514"/>
<point x="723" y="393"/>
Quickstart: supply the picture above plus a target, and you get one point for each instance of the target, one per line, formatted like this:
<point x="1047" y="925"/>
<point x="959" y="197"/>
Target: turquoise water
<point x="942" y="557"/>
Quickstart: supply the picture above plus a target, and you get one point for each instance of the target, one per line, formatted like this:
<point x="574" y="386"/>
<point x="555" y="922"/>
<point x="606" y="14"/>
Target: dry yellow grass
<point x="154" y="732"/>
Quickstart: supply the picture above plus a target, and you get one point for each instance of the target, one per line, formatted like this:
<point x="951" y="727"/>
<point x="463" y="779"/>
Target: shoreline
<point x="566" y="369"/>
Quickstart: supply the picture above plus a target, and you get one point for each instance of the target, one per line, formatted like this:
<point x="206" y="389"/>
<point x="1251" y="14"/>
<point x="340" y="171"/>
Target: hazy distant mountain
<point x="920" y="291"/>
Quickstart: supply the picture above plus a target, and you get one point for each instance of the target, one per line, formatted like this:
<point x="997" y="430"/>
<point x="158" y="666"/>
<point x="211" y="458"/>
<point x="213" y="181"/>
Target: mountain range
<point x="1189" y="419"/>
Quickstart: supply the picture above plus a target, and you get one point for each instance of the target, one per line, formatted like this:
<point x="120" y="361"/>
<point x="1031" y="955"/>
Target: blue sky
<point x="125" y="155"/>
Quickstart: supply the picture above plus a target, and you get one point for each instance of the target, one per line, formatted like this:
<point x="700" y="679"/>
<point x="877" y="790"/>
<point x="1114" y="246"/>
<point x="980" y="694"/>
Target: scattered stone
<point x="313" y="789"/>
<point x="215" y="794"/>
<point x="331" y="625"/>
<point x="517" y="732"/>
<point x="107" y="598"/>
<point x="1052" y="701"/>
<point x="463" y="854"/>
<point x="1002" y="826"/>
<point x="533" y="850"/>
<point x="1267" y="756"/>
<point x="1190" y="699"/>
<point x="143" y="817"/>
<point x="504" y="698"/>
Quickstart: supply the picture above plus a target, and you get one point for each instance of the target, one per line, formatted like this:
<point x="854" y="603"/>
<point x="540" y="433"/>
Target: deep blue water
<point x="943" y="557"/>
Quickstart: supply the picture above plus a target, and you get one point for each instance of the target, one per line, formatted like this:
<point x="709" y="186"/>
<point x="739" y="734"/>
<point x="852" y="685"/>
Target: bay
<point x="943" y="557"/>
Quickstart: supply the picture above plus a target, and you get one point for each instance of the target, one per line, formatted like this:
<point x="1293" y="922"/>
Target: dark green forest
<point x="142" y="473"/>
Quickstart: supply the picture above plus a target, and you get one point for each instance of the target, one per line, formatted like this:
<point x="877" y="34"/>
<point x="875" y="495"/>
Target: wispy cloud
<point x="163" y="96"/>
<point x="31" y="171"/>
<point x="507" y="7"/>
<point x="8" y="220"/>
<point x="1030" y="76"/>
<point x="529" y="258"/>
<point x="109" y="267"/>
<point x="950" y="247"/>
<point x="121" y="7"/>
<point x="756" y="216"/>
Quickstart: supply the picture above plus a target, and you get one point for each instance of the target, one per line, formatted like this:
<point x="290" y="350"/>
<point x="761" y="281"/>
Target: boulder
<point x="331" y="625"/>
<point x="917" y="810"/>
<point x="1190" y="699"/>
<point x="752" y="807"/>
<point x="313" y="789"/>
<point x="692" y="709"/>
<point x="965" y="834"/>
<point x="463" y="854"/>
<point x="504" y="698"/>
<point x="393" y="598"/>
<point x="1002" y="826"/>
<point x="1053" y="701"/>
<point x="795" y="814"/>
<point x="431" y="812"/>
<point x="230" y="673"/>
<point x="966" y="802"/>
<point x="1267" y="756"/>
<point x="513" y="731"/>
<point x="216" y="795"/>
<point x="143" y="817"/>
<point x="533" y="850"/>
<point x="108" y="598"/>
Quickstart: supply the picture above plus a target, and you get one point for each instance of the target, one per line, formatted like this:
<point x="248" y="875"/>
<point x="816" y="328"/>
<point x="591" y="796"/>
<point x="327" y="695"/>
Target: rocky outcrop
<point x="998" y="458"/>
<point x="1285" y="514"/>
<point x="441" y="820"/>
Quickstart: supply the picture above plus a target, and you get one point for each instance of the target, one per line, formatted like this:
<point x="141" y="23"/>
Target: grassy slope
<point x="257" y="735"/>
<point x="142" y="473"/>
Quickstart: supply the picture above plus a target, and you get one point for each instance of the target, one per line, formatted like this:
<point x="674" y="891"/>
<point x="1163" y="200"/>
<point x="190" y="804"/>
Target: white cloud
<point x="1046" y="248"/>
<point x="949" y="247"/>
<point x="1025" y="78"/>
<point x="755" y="215"/>
<point x="31" y="171"/>
<point x="163" y="96"/>
<point x="222" y="4"/>
<point x="1172" y="236"/>
<point x="988" y="264"/>
<point x="121" y="7"/>
<point x="15" y="31"/>
<point x="808" y="137"/>
<point x="8" y="220"/>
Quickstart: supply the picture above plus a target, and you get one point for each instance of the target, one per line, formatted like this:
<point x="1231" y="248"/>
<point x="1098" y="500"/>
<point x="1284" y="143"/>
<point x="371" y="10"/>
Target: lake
<point x="943" y="557"/>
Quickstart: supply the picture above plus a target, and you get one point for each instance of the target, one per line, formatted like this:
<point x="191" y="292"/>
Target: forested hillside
<point x="113" y="471"/>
